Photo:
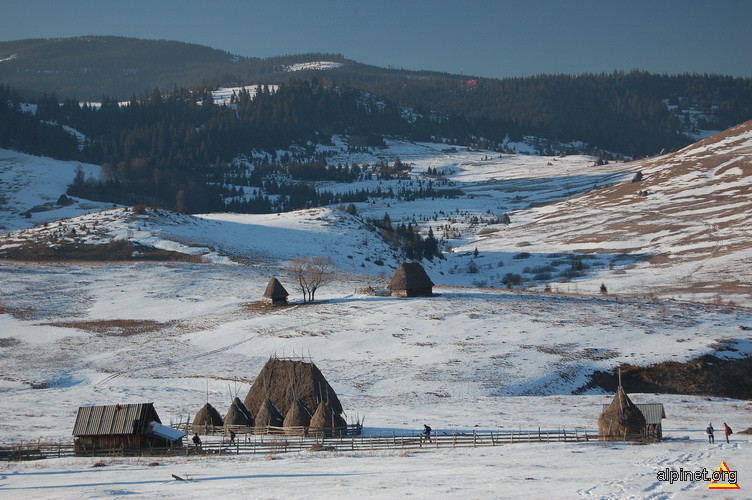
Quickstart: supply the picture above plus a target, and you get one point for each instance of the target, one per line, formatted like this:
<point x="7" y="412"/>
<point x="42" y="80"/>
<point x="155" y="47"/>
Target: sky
<point x="489" y="38"/>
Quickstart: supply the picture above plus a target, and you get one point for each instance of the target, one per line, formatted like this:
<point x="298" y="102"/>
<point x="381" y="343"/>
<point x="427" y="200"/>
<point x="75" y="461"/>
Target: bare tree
<point x="311" y="273"/>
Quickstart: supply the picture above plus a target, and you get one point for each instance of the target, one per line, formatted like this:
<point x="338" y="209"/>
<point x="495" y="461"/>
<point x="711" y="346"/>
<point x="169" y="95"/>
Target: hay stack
<point x="324" y="419"/>
<point x="238" y="414"/>
<point x="275" y="293"/>
<point x="269" y="415"/>
<point x="411" y="280"/>
<point x="206" y="417"/>
<point x="298" y="416"/>
<point x="622" y="420"/>
<point x="285" y="381"/>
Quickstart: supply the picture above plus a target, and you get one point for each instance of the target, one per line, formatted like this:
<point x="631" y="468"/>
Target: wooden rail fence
<point x="273" y="444"/>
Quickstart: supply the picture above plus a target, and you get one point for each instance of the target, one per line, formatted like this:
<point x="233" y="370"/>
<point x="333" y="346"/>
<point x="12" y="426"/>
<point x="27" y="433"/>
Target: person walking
<point x="709" y="432"/>
<point x="727" y="431"/>
<point x="197" y="440"/>
<point x="427" y="431"/>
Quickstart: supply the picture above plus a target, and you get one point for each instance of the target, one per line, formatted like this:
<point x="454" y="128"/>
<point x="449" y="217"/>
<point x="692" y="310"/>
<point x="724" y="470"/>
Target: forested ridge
<point x="177" y="148"/>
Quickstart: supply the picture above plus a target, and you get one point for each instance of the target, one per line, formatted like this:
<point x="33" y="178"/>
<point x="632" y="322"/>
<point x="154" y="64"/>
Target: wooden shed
<point x="411" y="280"/>
<point x="122" y="427"/>
<point x="275" y="293"/>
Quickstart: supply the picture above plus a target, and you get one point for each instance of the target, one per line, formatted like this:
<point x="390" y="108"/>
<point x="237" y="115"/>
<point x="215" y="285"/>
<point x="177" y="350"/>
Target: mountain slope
<point x="689" y="215"/>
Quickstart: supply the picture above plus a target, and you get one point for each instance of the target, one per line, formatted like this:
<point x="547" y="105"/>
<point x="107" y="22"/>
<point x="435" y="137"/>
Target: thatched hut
<point x="621" y="420"/>
<point x="238" y="415"/>
<point x="269" y="415"/>
<point x="411" y="280"/>
<point x="297" y="416"/>
<point x="275" y="293"/>
<point x="206" y="419"/>
<point x="284" y="381"/>
<point x="100" y="429"/>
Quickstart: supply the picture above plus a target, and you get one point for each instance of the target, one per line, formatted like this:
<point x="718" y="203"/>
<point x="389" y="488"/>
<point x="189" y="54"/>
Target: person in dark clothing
<point x="232" y="437"/>
<point x="427" y="431"/>
<point x="197" y="440"/>
<point x="726" y="431"/>
<point x="709" y="431"/>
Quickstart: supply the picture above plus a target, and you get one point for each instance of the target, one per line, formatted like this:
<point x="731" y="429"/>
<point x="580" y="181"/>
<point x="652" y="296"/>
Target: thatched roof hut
<point x="269" y="415"/>
<point x="238" y="414"/>
<point x="206" y="417"/>
<point x="283" y="381"/>
<point x="621" y="420"/>
<point x="275" y="293"/>
<point x="411" y="280"/>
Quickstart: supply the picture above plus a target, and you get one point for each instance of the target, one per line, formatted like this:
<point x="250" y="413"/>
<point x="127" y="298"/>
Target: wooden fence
<point x="243" y="430"/>
<point x="273" y="444"/>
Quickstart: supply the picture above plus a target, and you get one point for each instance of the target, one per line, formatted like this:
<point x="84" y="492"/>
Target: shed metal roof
<point x="114" y="419"/>
<point x="653" y="412"/>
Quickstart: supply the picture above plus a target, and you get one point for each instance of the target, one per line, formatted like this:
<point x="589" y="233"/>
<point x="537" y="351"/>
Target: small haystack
<point x="206" y="417"/>
<point x="275" y="293"/>
<point x="324" y="419"/>
<point x="298" y="416"/>
<point x="285" y="381"/>
<point x="621" y="420"/>
<point x="411" y="280"/>
<point x="269" y="415"/>
<point x="238" y="415"/>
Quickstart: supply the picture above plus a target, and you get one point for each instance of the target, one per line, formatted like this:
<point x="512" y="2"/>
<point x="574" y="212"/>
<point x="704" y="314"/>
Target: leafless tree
<point x="311" y="273"/>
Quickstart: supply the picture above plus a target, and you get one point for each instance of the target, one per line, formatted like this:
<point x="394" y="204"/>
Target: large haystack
<point x="269" y="415"/>
<point x="275" y="293"/>
<point x="284" y="381"/>
<point x="622" y="420"/>
<point x="206" y="418"/>
<point x="238" y="414"/>
<point x="411" y="280"/>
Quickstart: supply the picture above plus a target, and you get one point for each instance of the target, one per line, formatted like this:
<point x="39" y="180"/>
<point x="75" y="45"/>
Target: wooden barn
<point x="275" y="293"/>
<point x="123" y="427"/>
<point x="411" y="280"/>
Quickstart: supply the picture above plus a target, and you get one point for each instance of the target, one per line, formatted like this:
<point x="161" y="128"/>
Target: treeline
<point x="22" y="131"/>
<point x="619" y="112"/>
<point x="407" y="238"/>
<point x="178" y="149"/>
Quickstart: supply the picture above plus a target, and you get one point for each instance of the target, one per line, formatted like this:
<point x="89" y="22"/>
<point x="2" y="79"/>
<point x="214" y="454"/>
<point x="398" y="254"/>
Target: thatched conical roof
<point x="238" y="414"/>
<point x="297" y="416"/>
<point x="269" y="415"/>
<point x="284" y="381"/>
<point x="275" y="290"/>
<point x="410" y="276"/>
<point x="207" y="416"/>
<point x="621" y="418"/>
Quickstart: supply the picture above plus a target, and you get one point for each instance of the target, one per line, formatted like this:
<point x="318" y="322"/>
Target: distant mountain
<point x="633" y="114"/>
<point x="90" y="67"/>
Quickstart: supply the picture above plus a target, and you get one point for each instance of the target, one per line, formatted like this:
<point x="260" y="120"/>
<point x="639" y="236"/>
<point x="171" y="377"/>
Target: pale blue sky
<point x="494" y="38"/>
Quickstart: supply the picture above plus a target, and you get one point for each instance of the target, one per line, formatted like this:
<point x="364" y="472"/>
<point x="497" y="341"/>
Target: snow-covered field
<point x="476" y="356"/>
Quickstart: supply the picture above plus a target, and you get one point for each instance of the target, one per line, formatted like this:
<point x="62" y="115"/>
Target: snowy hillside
<point x="478" y="355"/>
